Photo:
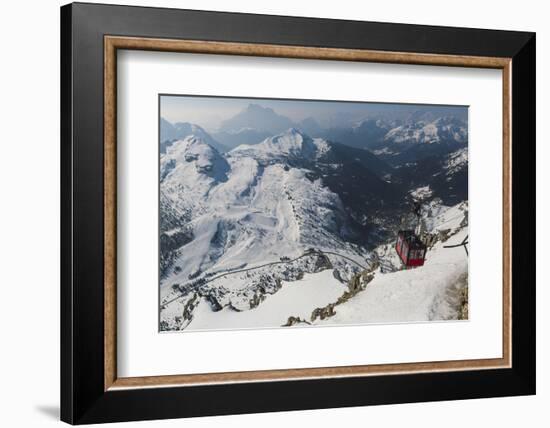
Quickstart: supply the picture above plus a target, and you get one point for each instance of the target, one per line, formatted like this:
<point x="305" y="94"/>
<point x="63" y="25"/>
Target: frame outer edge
<point x="81" y="382"/>
<point x="66" y="146"/>
<point x="241" y="27"/>
<point x="524" y="217"/>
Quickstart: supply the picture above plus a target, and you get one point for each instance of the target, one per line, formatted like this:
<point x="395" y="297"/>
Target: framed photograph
<point x="265" y="213"/>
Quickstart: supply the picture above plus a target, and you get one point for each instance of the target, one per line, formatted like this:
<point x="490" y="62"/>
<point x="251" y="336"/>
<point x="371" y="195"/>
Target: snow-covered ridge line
<point x="432" y="132"/>
<point x="291" y="143"/>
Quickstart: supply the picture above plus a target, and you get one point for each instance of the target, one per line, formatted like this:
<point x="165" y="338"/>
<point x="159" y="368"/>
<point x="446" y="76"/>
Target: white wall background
<point x="29" y="213"/>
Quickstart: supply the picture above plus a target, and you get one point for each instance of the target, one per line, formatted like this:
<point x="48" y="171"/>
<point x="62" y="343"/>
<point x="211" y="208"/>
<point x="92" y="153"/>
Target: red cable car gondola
<point x="411" y="250"/>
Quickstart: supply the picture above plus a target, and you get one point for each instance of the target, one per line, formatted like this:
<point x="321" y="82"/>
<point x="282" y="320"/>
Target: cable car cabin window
<point x="416" y="254"/>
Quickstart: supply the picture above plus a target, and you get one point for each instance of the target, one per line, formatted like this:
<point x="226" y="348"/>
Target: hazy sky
<point x="209" y="112"/>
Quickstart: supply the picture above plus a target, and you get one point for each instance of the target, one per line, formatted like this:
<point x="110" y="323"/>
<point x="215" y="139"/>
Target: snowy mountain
<point x="251" y="126"/>
<point x="442" y="129"/>
<point x="401" y="142"/>
<point x="257" y="117"/>
<point x="171" y="132"/>
<point x="417" y="140"/>
<point x="246" y="231"/>
<point x="255" y="194"/>
<point x="256" y="204"/>
<point x="421" y="135"/>
<point x="361" y="180"/>
<point x="291" y="146"/>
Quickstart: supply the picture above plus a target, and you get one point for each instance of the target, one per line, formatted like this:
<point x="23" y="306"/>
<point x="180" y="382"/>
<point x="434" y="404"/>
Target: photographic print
<point x="282" y="213"/>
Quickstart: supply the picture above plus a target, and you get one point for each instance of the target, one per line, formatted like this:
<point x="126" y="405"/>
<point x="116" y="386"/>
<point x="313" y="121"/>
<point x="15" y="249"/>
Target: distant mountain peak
<point x="442" y="129"/>
<point x="180" y="130"/>
<point x="257" y="117"/>
<point x="310" y="120"/>
<point x="311" y="127"/>
<point x="258" y="107"/>
<point x="449" y="120"/>
<point x="294" y="131"/>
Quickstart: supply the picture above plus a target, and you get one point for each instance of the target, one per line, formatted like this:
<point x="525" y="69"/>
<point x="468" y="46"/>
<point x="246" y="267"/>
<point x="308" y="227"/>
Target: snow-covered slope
<point x="297" y="298"/>
<point x="245" y="209"/>
<point x="247" y="205"/>
<point x="383" y="293"/>
<point x="436" y="291"/>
